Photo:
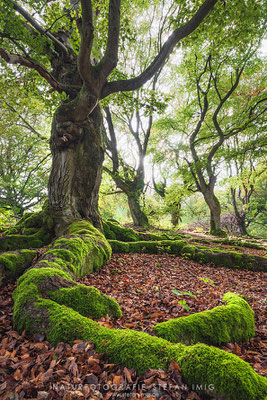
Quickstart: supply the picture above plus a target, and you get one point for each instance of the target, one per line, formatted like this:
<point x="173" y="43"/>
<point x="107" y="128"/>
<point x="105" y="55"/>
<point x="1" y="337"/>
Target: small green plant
<point x="175" y="291"/>
<point x="207" y="280"/>
<point x="184" y="304"/>
<point x="115" y="271"/>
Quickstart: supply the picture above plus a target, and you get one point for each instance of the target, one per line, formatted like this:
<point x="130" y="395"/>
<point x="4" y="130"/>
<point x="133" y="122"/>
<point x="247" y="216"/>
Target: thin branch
<point x="113" y="141"/>
<point x="38" y="27"/>
<point x="27" y="124"/>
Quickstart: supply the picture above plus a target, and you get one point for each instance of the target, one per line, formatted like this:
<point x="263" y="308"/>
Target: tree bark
<point x="138" y="216"/>
<point x="78" y="154"/>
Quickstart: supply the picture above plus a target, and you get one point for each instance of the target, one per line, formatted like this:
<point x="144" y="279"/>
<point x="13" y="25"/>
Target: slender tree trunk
<point x="76" y="169"/>
<point x="240" y="216"/>
<point x="242" y="225"/>
<point x="138" y="216"/>
<point x="215" y="212"/>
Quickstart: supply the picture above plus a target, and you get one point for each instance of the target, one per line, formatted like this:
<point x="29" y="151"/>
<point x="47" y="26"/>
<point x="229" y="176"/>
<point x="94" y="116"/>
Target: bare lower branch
<point x="29" y="63"/>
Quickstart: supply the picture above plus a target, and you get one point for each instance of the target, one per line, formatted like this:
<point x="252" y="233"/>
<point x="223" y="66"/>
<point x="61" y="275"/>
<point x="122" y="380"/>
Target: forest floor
<point x="30" y="368"/>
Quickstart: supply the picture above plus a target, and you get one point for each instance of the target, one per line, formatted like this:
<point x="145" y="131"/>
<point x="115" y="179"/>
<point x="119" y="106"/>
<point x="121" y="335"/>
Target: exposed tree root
<point x="228" y="259"/>
<point x="231" y="323"/>
<point x="47" y="300"/>
<point x="34" y="230"/>
<point x="13" y="264"/>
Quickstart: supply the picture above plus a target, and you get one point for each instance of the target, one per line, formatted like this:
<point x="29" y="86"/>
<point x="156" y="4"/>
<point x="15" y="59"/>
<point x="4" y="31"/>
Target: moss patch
<point x="33" y="230"/>
<point x="88" y="301"/>
<point x="14" y="264"/>
<point x="231" y="323"/>
<point x="225" y="374"/>
<point x="114" y="231"/>
<point x="83" y="250"/>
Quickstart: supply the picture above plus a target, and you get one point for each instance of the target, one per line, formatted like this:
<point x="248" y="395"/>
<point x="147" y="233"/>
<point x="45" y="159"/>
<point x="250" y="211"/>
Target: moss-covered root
<point x="88" y="301"/>
<point x="82" y="250"/>
<point x="114" y="231"/>
<point x="13" y="264"/>
<point x="228" y="376"/>
<point x="33" y="230"/>
<point x="228" y="259"/>
<point x="233" y="322"/>
<point x="224" y="373"/>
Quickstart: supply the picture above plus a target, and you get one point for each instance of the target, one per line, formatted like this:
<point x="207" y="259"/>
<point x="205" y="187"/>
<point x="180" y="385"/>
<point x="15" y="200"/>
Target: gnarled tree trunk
<point x="78" y="154"/>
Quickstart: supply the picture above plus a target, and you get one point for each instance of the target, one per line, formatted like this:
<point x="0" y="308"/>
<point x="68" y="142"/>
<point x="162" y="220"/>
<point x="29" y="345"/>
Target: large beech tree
<point x="64" y="46"/>
<point x="47" y="299"/>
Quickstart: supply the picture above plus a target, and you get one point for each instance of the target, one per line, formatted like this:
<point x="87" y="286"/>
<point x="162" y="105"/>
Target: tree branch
<point x="86" y="30"/>
<point x="30" y="63"/>
<point x="114" y="151"/>
<point x="110" y="59"/>
<point x="166" y="50"/>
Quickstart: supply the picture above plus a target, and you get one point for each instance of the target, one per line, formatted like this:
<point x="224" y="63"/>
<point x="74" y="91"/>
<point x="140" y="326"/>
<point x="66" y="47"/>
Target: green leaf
<point x="175" y="291"/>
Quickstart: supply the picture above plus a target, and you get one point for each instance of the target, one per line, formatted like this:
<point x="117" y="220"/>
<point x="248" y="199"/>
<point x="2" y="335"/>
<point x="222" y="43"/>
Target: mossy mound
<point x="33" y="230"/>
<point x="203" y="254"/>
<point x="233" y="322"/>
<point x="88" y="301"/>
<point x="13" y="264"/>
<point x="114" y="231"/>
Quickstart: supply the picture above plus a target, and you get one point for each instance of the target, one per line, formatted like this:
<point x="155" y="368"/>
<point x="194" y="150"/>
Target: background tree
<point x="245" y="160"/>
<point x="25" y="157"/>
<point x="216" y="114"/>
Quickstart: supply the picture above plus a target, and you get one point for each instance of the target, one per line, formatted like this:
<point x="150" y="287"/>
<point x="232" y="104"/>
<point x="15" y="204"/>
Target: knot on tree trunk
<point x="68" y="132"/>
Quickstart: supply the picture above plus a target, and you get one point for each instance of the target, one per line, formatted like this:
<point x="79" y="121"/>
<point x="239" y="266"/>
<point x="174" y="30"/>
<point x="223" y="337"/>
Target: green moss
<point x="88" y="301"/>
<point x="14" y="264"/>
<point x="38" y="275"/>
<point x="71" y="256"/>
<point x="119" y="247"/>
<point x="218" y="232"/>
<point x="63" y="254"/>
<point x="188" y="251"/>
<point x="231" y="323"/>
<point x="180" y="247"/>
<point x="152" y="247"/>
<point x="114" y="231"/>
<point x="227" y="374"/>
<point x="15" y="242"/>
<point x="84" y="248"/>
